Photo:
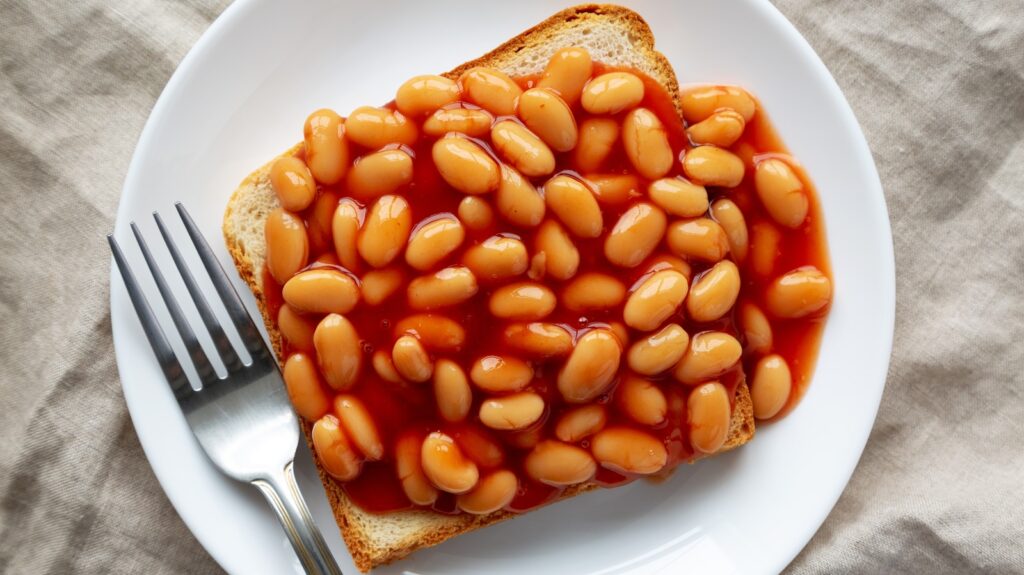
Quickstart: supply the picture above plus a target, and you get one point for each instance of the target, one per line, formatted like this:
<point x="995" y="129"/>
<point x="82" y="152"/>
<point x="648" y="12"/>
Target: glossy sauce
<point x="397" y="408"/>
<point x="795" y="340"/>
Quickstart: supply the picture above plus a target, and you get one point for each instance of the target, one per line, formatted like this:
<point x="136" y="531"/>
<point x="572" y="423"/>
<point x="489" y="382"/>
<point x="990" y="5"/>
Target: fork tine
<point x="243" y="321"/>
<point x="227" y="352"/>
<point x="157" y="340"/>
<point x="195" y="350"/>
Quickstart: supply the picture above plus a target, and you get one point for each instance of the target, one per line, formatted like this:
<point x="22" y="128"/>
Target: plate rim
<point x="888" y="264"/>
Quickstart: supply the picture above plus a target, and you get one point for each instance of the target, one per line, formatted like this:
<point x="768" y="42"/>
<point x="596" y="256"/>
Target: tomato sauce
<point x="409" y="407"/>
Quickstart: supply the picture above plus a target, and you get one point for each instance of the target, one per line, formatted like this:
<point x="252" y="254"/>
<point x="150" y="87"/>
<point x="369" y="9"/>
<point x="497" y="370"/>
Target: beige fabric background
<point x="937" y="86"/>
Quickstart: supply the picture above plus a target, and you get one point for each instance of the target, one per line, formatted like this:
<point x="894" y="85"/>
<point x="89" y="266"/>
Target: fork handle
<point x="283" y="495"/>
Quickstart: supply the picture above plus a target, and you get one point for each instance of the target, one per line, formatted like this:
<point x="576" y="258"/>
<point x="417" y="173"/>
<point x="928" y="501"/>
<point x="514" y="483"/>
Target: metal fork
<point x="243" y="421"/>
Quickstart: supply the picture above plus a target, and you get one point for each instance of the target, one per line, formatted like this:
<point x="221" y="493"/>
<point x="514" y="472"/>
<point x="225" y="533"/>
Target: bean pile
<point x="492" y="289"/>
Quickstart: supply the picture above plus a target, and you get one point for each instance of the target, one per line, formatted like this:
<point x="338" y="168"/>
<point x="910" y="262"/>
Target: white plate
<point x="240" y="97"/>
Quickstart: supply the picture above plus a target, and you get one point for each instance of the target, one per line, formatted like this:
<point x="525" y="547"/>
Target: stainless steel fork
<point x="243" y="421"/>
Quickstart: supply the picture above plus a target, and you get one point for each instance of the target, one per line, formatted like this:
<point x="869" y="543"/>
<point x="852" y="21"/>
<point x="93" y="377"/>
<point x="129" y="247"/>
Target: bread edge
<point x="543" y="31"/>
<point x="359" y="540"/>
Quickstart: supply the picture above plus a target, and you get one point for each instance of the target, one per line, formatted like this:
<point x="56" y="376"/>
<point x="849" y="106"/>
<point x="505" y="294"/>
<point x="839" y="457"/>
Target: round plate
<point x="240" y="97"/>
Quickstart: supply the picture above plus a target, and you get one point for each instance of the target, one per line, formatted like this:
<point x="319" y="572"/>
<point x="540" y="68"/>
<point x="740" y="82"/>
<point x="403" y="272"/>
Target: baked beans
<point x="597" y="139"/>
<point x="446" y="466"/>
<point x="345" y="233"/>
<point x="517" y="200"/>
<point x="781" y="192"/>
<point x="635" y="236"/>
<point x="670" y="262"/>
<point x="593" y="291"/>
<point x="561" y="258"/>
<point x="447" y="287"/>
<point x="713" y="166"/>
<point x="492" y="493"/>
<point x="476" y="213"/>
<point x="385" y="231"/>
<point x="318" y="222"/>
<point x="521" y="148"/>
<point x="620" y="331"/>
<point x="591" y="366"/>
<point x="411" y="359"/>
<point x="700" y="102"/>
<point x="646" y="143"/>
<point x="326" y="149"/>
<point x="628" y="450"/>
<point x="679" y="197"/>
<point x="359" y="426"/>
<point x="479" y="446"/>
<point x="538" y="340"/>
<point x="293" y="183"/>
<point x="379" y="285"/>
<point x="522" y="301"/>
<point x="497" y="258"/>
<point x="714" y="292"/>
<point x="451" y="391"/>
<point x="655" y="300"/>
<point x="465" y="165"/>
<point x="764" y="248"/>
<point x="757" y="331"/>
<point x="296" y="328"/>
<point x="334" y="451"/>
<point x="385" y="367"/>
<point x="710" y="354"/>
<point x="612" y="93"/>
<point x="287" y="244"/>
<point x="415" y="484"/>
<point x="614" y="189"/>
<point x="699" y="239"/>
<point x="501" y="374"/>
<point x="799" y="293"/>
<point x="574" y="204"/>
<point x="422" y="95"/>
<point x="538" y="262"/>
<point x="659" y="351"/>
<point x="491" y="90"/>
<point x="557" y="463"/>
<point x="641" y="400"/>
<point x="497" y="371"/>
<point x="729" y="216"/>
<point x="548" y="116"/>
<point x="338" y="351"/>
<point x="512" y="412"/>
<point x="580" y="422"/>
<point x="321" y="291"/>
<point x="437" y="332"/>
<point x="525" y="439"/>
<point x="770" y="386"/>
<point x="722" y="128"/>
<point x="379" y="173"/>
<point x="377" y="127"/>
<point x="708" y="413"/>
<point x="567" y="73"/>
<point x="469" y="121"/>
<point x="302" y="381"/>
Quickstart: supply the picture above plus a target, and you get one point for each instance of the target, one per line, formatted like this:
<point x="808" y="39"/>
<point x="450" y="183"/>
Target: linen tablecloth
<point x="937" y="86"/>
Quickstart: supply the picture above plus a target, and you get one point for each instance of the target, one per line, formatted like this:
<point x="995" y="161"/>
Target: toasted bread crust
<point x="542" y="38"/>
<point x="372" y="539"/>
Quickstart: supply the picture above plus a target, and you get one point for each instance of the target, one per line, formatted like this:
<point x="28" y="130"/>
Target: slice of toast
<point x="614" y="36"/>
